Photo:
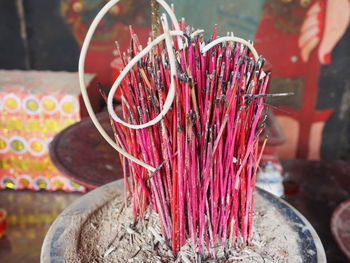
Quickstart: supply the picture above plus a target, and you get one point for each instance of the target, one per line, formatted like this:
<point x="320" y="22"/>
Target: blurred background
<point x="307" y="47"/>
<point x="306" y="43"/>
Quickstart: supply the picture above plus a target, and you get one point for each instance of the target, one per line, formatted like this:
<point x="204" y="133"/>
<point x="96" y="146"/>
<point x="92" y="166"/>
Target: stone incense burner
<point x="189" y="141"/>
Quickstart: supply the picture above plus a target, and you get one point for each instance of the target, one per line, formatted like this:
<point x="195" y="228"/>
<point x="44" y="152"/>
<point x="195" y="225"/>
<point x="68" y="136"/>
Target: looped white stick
<point x="84" y="94"/>
<point x="171" y="93"/>
<point x="233" y="39"/>
<point x="196" y="33"/>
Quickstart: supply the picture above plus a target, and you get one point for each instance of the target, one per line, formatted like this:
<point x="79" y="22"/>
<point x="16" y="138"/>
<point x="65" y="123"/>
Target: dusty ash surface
<point x="110" y="235"/>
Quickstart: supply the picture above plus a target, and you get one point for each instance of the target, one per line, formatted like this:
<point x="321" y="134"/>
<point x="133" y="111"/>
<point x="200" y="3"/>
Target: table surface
<point x="29" y="216"/>
<point x="320" y="187"/>
<point x="85" y="157"/>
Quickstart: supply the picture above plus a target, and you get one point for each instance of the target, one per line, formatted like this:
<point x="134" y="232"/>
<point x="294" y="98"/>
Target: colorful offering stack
<point x="34" y="107"/>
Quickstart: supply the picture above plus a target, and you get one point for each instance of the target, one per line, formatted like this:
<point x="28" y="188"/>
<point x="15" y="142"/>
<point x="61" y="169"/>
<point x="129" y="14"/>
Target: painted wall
<point x="240" y="17"/>
<point x="306" y="42"/>
<point x="53" y="31"/>
<point x="308" y="46"/>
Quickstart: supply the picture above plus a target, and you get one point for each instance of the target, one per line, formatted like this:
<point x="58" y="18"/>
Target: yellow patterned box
<point x="34" y="107"/>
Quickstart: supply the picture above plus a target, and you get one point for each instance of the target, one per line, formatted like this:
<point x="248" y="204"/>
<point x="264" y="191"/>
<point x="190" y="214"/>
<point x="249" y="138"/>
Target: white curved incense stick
<point x="85" y="96"/>
<point x="171" y="94"/>
<point x="196" y="33"/>
<point x="233" y="39"/>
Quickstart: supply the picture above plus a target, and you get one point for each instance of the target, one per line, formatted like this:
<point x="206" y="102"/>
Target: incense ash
<point x="111" y="235"/>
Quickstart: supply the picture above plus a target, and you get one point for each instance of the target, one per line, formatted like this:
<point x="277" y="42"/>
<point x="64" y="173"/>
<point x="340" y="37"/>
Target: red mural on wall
<point x="297" y="38"/>
<point x="113" y="27"/>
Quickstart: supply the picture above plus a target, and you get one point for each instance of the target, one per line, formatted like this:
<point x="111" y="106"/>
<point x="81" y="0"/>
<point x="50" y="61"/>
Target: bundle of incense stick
<point x="205" y="148"/>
